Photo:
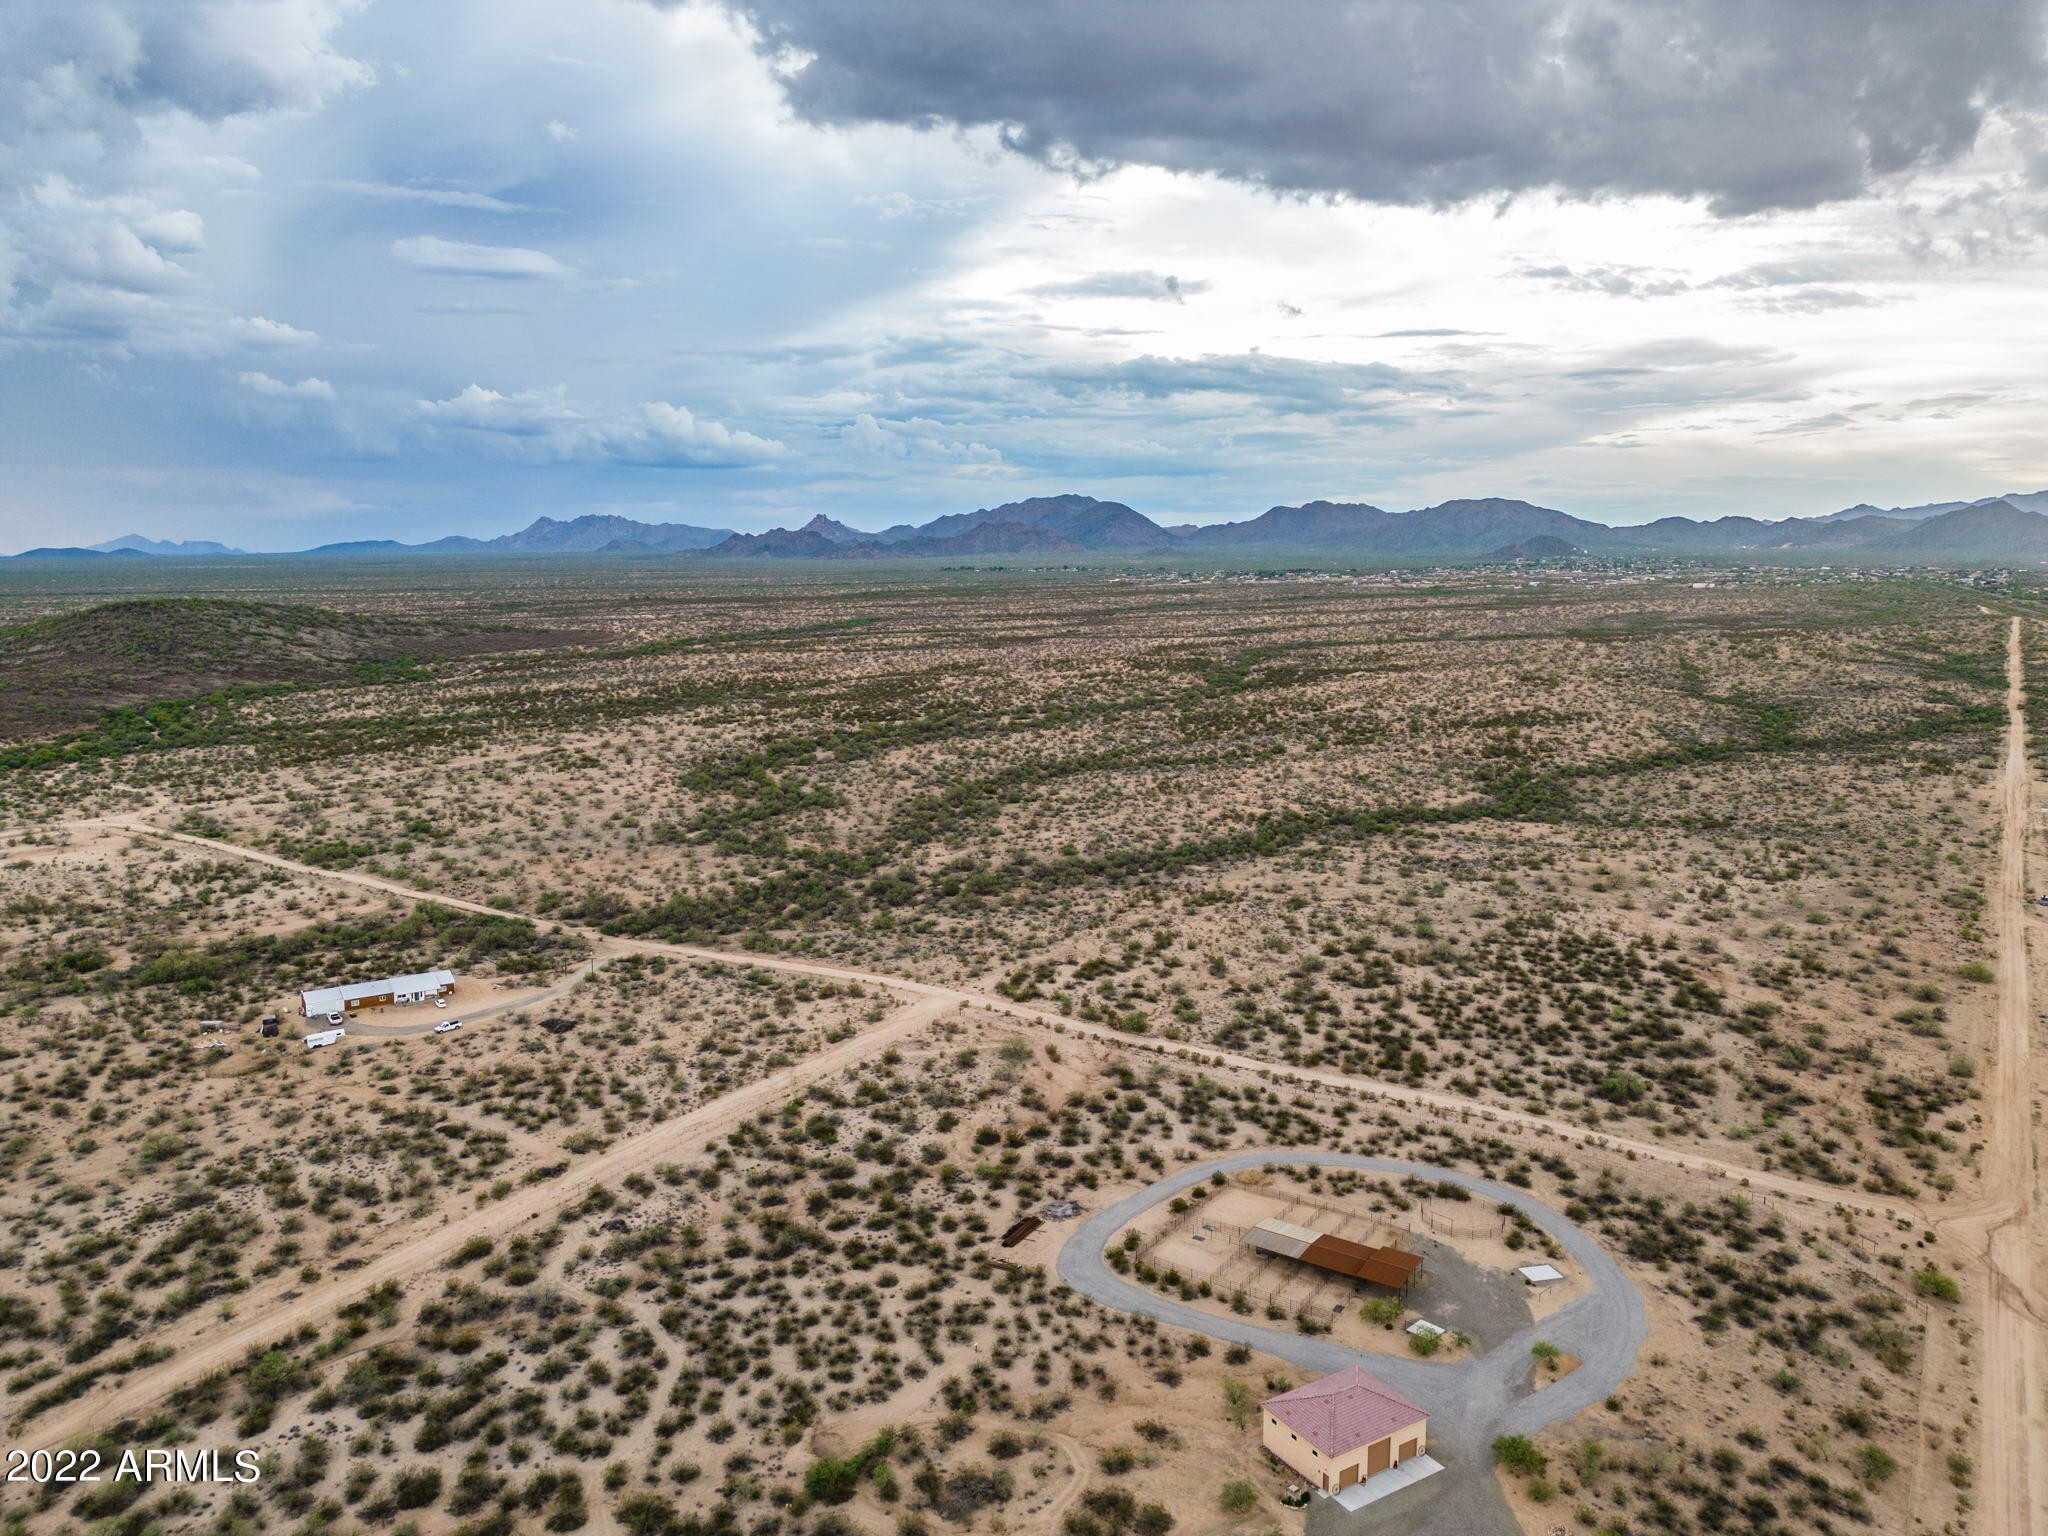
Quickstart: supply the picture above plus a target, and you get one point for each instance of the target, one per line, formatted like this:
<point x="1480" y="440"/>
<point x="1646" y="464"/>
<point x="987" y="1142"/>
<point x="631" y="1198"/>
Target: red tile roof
<point x="1342" y="1412"/>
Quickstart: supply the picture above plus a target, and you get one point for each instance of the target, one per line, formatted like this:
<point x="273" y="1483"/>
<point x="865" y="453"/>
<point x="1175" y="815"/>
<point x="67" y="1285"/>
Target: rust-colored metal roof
<point x="1390" y="1267"/>
<point x="1380" y="1272"/>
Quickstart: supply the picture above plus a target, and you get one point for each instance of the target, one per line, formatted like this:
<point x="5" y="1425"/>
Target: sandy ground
<point x="411" y="1253"/>
<point x="1467" y="1282"/>
<point x="1828" y="1196"/>
<point x="2007" y="1229"/>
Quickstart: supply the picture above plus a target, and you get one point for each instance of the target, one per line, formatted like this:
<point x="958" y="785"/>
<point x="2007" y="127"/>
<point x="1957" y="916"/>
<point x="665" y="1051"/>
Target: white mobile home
<point x="422" y="987"/>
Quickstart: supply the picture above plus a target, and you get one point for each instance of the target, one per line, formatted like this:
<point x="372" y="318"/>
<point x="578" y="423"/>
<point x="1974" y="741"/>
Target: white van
<point x="323" y="1037"/>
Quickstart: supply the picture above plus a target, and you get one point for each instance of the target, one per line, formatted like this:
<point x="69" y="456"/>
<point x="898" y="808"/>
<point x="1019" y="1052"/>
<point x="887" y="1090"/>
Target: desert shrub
<point x="1384" y="1310"/>
<point x="1519" y="1454"/>
<point x="416" y="1487"/>
<point x="1239" y="1495"/>
<point x="1932" y="1282"/>
<point x="648" y="1514"/>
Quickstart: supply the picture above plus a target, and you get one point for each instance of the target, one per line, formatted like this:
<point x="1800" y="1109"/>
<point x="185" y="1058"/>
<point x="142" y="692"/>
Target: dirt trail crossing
<point x="1422" y="1098"/>
<point x="414" y="1252"/>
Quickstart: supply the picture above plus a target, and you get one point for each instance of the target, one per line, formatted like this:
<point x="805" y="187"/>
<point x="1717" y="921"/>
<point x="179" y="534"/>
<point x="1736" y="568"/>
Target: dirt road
<point x="367" y="1028"/>
<point x="1400" y="1093"/>
<point x="418" y="1251"/>
<point x="411" y="1251"/>
<point x="2003" y="1228"/>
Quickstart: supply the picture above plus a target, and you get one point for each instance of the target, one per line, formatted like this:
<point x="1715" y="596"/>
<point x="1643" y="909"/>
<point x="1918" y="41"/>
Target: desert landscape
<point x="814" y="933"/>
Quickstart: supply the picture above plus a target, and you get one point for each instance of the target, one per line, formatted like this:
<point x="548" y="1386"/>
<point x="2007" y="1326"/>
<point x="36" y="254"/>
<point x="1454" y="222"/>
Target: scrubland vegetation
<point x="1702" y="869"/>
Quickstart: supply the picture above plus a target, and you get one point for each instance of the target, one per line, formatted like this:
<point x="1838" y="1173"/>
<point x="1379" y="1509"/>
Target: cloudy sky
<point x="285" y="271"/>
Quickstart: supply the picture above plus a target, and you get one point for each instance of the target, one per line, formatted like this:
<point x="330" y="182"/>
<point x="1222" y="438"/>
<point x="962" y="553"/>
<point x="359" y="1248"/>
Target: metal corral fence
<point x="1268" y="1281"/>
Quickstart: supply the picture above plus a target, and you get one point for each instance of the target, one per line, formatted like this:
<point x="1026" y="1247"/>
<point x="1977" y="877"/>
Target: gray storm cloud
<point x="1751" y="104"/>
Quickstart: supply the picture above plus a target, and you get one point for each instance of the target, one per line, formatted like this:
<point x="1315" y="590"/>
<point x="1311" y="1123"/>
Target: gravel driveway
<point x="1469" y="1401"/>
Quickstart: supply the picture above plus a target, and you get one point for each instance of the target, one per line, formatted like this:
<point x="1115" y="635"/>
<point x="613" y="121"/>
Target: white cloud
<point x="276" y="389"/>
<point x="1123" y="285"/>
<point x="89" y="248"/>
<point x="65" y="234"/>
<point x="256" y="331"/>
<point x="913" y="438"/>
<point x="176" y="185"/>
<point x="459" y="258"/>
<point x="545" y="425"/>
<point x="440" y="197"/>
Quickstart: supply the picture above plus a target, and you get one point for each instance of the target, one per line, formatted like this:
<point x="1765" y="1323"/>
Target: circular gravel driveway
<point x="1469" y="1401"/>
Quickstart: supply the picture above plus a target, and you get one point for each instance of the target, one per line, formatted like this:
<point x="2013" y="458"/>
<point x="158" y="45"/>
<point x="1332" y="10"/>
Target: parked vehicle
<point x="440" y="1002"/>
<point x="336" y="1018"/>
<point x="447" y="1024"/>
<point x="323" y="1037"/>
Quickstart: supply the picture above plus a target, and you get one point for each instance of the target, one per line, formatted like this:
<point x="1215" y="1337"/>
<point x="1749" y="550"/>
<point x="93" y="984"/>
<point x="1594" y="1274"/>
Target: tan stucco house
<point x="1343" y="1429"/>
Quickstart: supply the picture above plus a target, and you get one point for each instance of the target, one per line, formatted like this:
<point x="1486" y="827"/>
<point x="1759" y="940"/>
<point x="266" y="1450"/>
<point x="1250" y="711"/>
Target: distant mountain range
<point x="2010" y="529"/>
<point x="2030" y="501"/>
<point x="593" y="533"/>
<point x="135" y="543"/>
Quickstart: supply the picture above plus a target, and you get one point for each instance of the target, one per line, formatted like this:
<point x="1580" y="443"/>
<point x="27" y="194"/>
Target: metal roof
<point x="1282" y="1237"/>
<point x="1340" y="1413"/>
<point x="1382" y="1266"/>
<point x="333" y="999"/>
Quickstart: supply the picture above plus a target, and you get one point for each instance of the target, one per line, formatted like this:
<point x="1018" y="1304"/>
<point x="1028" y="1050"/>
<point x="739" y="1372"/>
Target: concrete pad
<point x="1393" y="1480"/>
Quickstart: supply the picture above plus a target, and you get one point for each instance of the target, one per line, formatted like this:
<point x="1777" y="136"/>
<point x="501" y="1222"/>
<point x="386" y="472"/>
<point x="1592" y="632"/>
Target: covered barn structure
<point x="1391" y="1267"/>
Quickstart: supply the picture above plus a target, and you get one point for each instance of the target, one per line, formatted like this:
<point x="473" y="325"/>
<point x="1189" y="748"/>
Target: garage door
<point x="1376" y="1458"/>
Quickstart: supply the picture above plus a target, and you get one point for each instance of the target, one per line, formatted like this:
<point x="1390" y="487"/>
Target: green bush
<point x="648" y="1514"/>
<point x="1519" y="1454"/>
<point x="1239" y="1495"/>
<point x="416" y="1487"/>
<point x="1932" y="1282"/>
<point x="833" y="1479"/>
